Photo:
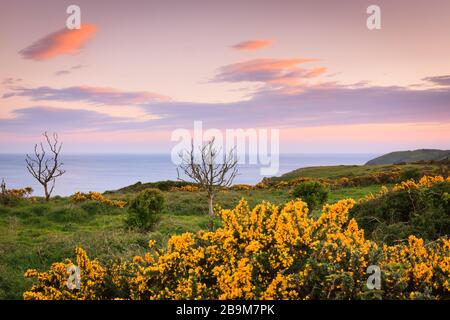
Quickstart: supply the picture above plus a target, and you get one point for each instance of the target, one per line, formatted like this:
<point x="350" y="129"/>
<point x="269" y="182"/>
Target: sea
<point x="101" y="172"/>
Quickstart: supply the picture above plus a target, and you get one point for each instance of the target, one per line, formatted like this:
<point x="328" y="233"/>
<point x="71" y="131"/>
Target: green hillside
<point x="353" y="171"/>
<point x="411" y="156"/>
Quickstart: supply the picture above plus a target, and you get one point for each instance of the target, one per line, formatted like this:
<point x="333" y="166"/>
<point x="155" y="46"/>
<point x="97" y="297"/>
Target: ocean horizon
<point x="102" y="172"/>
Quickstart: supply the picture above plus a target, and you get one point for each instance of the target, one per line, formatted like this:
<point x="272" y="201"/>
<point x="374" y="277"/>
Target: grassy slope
<point x="335" y="172"/>
<point x="410" y="156"/>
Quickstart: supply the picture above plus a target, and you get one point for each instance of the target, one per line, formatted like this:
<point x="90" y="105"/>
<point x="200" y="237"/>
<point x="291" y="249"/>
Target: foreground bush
<point x="264" y="253"/>
<point x="144" y="210"/>
<point x="314" y="194"/>
<point x="420" y="208"/>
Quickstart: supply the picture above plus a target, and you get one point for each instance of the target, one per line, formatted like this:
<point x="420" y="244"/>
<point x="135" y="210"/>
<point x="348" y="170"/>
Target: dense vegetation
<point x="34" y="234"/>
<point x="422" y="211"/>
<point x="267" y="252"/>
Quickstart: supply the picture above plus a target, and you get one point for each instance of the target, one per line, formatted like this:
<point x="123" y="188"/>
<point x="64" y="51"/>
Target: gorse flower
<point x="189" y="188"/>
<point x="268" y="252"/>
<point x="97" y="196"/>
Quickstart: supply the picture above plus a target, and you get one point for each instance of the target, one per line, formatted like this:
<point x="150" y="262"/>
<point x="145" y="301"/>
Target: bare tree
<point x="207" y="169"/>
<point x="46" y="168"/>
<point x="3" y="186"/>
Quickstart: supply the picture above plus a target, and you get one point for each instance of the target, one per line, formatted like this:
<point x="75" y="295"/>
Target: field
<point x="33" y="234"/>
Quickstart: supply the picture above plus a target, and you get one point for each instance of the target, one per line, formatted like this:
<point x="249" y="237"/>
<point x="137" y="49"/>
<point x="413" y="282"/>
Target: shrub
<point x="98" y="197"/>
<point x="409" y="174"/>
<point x="189" y="188"/>
<point x="267" y="252"/>
<point x="145" y="208"/>
<point x="11" y="197"/>
<point x="314" y="194"/>
<point x="418" y="209"/>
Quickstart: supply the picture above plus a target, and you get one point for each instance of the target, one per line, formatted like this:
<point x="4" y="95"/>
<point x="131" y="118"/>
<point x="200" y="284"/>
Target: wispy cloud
<point x="62" y="72"/>
<point x="68" y="71"/>
<point x="252" y="44"/>
<point x="62" y="42"/>
<point x="10" y="81"/>
<point x="270" y="71"/>
<point x="439" y="80"/>
<point x="40" y="118"/>
<point x="94" y="95"/>
<point x="317" y="106"/>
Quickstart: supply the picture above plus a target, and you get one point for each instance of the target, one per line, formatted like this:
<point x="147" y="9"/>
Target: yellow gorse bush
<point x="18" y="193"/>
<point x="189" y="188"/>
<point x="408" y="185"/>
<point x="242" y="187"/>
<point x="97" y="196"/>
<point x="425" y="181"/>
<point x="268" y="252"/>
<point x="53" y="284"/>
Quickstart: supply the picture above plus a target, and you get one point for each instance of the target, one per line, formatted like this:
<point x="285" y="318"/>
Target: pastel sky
<point x="137" y="70"/>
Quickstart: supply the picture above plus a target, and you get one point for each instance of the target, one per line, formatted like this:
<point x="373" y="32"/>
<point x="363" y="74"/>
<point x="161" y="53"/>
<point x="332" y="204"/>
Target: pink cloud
<point x="252" y="44"/>
<point x="94" y="95"/>
<point x="58" y="43"/>
<point x="270" y="71"/>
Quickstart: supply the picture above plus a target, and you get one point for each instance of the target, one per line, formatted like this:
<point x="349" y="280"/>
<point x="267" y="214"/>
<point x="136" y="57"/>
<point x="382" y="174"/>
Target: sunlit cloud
<point x="94" y="95"/>
<point x="316" y="106"/>
<point x="322" y="105"/>
<point x="62" y="42"/>
<point x="269" y="71"/>
<point x="252" y="44"/>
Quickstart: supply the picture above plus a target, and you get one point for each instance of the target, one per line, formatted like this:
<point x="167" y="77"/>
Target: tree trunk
<point x="210" y="205"/>
<point x="47" y="195"/>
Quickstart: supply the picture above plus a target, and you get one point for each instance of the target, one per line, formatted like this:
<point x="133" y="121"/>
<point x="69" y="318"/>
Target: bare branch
<point x="206" y="169"/>
<point x="46" y="168"/>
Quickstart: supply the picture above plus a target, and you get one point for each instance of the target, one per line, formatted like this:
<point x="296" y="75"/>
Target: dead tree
<point x="207" y="169"/>
<point x="46" y="168"/>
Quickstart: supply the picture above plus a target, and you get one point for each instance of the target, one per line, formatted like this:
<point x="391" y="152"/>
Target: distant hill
<point x="353" y="171"/>
<point x="411" y="156"/>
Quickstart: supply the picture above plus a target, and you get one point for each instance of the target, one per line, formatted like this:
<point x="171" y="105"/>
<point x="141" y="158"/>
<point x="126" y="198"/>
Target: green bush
<point x="414" y="174"/>
<point x="314" y="194"/>
<point x="423" y="212"/>
<point x="145" y="208"/>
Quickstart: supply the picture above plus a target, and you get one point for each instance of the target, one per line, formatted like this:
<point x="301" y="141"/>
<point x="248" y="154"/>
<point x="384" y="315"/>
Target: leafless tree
<point x="46" y="168"/>
<point x="3" y="186"/>
<point x="208" y="169"/>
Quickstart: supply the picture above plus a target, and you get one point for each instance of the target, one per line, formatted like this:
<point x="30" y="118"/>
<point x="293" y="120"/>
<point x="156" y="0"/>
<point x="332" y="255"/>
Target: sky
<point x="138" y="70"/>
